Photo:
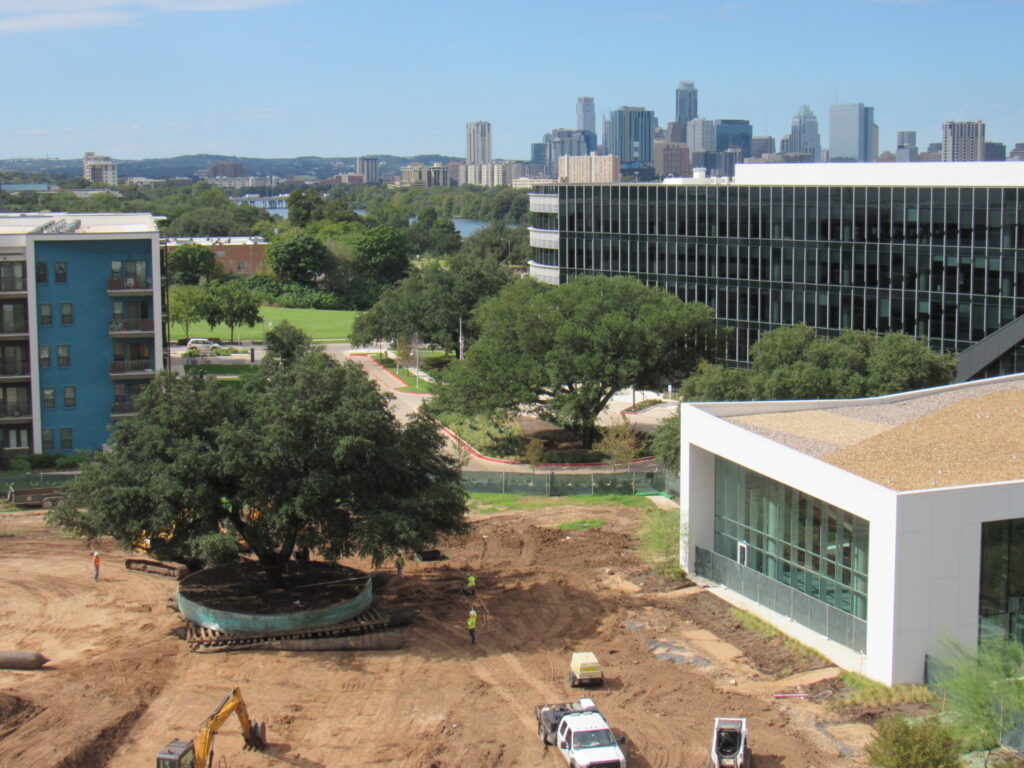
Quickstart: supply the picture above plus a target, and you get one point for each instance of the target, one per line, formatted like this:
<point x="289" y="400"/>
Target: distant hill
<point x="187" y="165"/>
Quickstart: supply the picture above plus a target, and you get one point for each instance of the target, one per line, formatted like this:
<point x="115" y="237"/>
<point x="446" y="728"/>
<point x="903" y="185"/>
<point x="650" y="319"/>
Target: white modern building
<point x="478" y="142"/>
<point x="963" y="141"/>
<point x="99" y="169"/>
<point x="873" y="529"/>
<point x="589" y="169"/>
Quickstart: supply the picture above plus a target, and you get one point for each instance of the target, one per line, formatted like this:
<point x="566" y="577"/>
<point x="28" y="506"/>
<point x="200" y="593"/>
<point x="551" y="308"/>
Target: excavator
<point x="199" y="753"/>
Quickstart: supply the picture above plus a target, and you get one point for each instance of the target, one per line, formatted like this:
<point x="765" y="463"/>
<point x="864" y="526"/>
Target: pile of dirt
<point x="13" y="712"/>
<point x="768" y="655"/>
<point x="245" y="587"/>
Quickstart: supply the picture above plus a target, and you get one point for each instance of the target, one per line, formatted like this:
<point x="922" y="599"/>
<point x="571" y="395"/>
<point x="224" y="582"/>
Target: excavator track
<point x="175" y="571"/>
<point x="352" y="634"/>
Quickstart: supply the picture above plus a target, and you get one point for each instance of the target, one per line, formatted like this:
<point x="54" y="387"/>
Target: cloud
<point x="23" y="16"/>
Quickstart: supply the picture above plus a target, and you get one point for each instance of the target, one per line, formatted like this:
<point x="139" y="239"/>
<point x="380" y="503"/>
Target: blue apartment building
<point x="80" y="326"/>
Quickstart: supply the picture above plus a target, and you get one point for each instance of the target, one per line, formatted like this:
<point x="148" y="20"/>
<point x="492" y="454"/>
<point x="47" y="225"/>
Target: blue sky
<point x="281" y="78"/>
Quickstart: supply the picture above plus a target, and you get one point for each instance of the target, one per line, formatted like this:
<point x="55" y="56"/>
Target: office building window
<point x="69" y="397"/>
<point x="47" y="439"/>
<point x="44" y="356"/>
<point x="41" y="272"/>
<point x="66" y="314"/>
<point x="63" y="354"/>
<point x="60" y="271"/>
<point x="46" y="314"/>
<point x="49" y="397"/>
<point x="65" y="438"/>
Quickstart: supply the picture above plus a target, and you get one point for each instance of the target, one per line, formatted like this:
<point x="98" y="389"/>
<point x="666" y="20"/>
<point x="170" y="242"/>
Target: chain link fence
<point x="566" y="483"/>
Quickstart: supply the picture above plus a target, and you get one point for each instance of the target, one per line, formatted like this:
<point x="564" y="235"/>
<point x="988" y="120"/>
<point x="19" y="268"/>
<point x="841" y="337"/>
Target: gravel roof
<point x="962" y="436"/>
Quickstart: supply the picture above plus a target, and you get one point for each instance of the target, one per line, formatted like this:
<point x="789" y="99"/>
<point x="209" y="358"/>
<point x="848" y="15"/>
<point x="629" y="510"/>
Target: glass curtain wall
<point x="1001" y="605"/>
<point x="792" y="537"/>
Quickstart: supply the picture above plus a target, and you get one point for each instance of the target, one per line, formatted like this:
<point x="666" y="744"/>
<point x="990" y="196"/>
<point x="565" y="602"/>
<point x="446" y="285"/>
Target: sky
<point x="138" y="79"/>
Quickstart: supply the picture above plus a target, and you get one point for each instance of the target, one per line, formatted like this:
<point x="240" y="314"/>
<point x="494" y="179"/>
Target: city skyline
<point x="221" y="76"/>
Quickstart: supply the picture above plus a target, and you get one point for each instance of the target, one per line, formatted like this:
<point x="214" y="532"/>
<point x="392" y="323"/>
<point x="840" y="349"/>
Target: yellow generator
<point x="584" y="669"/>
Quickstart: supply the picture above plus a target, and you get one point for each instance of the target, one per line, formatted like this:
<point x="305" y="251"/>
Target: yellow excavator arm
<point x="200" y="752"/>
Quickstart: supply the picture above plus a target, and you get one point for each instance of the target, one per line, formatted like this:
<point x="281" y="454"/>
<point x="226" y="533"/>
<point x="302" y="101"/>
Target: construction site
<point x="127" y="675"/>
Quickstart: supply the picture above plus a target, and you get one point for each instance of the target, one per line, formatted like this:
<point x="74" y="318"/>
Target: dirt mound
<point x="13" y="712"/>
<point x="244" y="588"/>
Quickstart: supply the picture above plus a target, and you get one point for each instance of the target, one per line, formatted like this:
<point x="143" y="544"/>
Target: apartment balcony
<point x="123" y="408"/>
<point x="131" y="368"/>
<point x="14" y="369"/>
<point x="17" y="328"/>
<point x="129" y="286"/>
<point x="544" y="238"/>
<point x="14" y="412"/>
<point x="120" y="327"/>
<point x="541" y="202"/>
<point x="13" y="286"/>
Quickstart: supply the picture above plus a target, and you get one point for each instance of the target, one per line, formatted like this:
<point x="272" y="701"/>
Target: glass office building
<point x="792" y="537"/>
<point x="1001" y="603"/>
<point x="909" y="251"/>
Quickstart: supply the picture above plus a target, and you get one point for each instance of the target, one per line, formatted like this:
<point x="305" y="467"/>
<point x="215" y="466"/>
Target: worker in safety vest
<point x="471" y="626"/>
<point x="469" y="588"/>
<point x="96" y="566"/>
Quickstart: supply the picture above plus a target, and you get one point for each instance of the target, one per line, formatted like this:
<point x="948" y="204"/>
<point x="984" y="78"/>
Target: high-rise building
<point x="99" y="169"/>
<point x="369" y="169"/>
<point x="852" y="133"/>
<point x="734" y="134"/>
<point x="80" y="325"/>
<point x="499" y="174"/>
<point x="227" y="169"/>
<point x="631" y="137"/>
<point x="762" y="145"/>
<point x="700" y="135"/>
<point x="1017" y="153"/>
<point x="686" y="102"/>
<point x="906" y="146"/>
<point x="672" y="158"/>
<point x="478" y="142"/>
<point x="995" y="152"/>
<point x="676" y="132"/>
<point x="419" y="175"/>
<point x="586" y="119"/>
<point x="589" y="169"/>
<point x="963" y="141"/>
<point x="804" y="137"/>
<point x="564" y="142"/>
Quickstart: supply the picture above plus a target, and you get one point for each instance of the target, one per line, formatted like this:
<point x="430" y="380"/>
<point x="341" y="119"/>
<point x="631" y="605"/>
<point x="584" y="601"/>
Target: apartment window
<point x="63" y="354"/>
<point x="15" y="438"/>
<point x="44" y="356"/>
<point x="65" y="438"/>
<point x="46" y="314"/>
<point x="67" y="315"/>
<point x="60" y="271"/>
<point x="69" y="397"/>
<point x="49" y="397"/>
<point x="47" y="439"/>
<point x="41" y="272"/>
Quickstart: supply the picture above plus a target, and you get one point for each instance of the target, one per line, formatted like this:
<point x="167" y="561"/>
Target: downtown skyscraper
<point x="478" y="142"/>
<point x="963" y="141"/>
<point x="631" y="137"/>
<point x="586" y="120"/>
<point x="686" y="102"/>
<point x="852" y="133"/>
<point x="804" y="137"/>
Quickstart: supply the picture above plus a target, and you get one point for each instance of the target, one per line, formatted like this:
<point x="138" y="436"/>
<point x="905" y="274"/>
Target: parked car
<point x="203" y="345"/>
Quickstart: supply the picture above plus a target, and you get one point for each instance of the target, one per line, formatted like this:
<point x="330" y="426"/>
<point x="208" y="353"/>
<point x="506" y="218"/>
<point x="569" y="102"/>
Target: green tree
<point x="665" y="443"/>
<point x="307" y="455"/>
<point x="713" y="383"/>
<point x="286" y="343"/>
<point x="381" y="259"/>
<point x="304" y="204"/>
<point x="563" y="351"/>
<point x="508" y="244"/>
<point x="232" y="304"/>
<point x="433" y="302"/>
<point x="619" y="442"/>
<point x="903" y="743"/>
<point x="189" y="304"/>
<point x="188" y="264"/>
<point x="900" y="363"/>
<point x="299" y="258"/>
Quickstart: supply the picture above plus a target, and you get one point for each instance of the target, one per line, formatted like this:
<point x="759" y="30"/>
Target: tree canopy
<point x="286" y="343"/>
<point x="791" y="362"/>
<point x="432" y="301"/>
<point x="188" y="264"/>
<point x="381" y="259"/>
<point x="233" y="304"/>
<point x="299" y="258"/>
<point x="300" y="456"/>
<point x="563" y="351"/>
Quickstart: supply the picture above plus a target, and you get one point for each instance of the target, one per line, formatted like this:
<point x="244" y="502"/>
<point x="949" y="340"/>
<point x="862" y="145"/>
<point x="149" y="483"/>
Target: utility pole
<point x="462" y="342"/>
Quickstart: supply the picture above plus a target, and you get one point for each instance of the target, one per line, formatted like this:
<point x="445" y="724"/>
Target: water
<point x="466" y="227"/>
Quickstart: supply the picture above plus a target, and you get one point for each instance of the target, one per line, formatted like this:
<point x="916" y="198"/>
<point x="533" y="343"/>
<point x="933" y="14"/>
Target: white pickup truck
<point x="580" y="733"/>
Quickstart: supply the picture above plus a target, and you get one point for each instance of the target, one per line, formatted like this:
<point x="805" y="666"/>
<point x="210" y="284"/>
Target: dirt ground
<point x="122" y="683"/>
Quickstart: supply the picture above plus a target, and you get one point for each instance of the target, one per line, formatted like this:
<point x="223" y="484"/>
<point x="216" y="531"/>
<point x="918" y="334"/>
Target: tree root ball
<point x="245" y="588"/>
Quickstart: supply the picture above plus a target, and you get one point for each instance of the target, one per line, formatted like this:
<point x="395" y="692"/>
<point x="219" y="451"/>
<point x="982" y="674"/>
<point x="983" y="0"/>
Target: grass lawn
<point x="495" y="502"/>
<point x="412" y="384"/>
<point x="581" y="525"/>
<point x="319" y="323"/>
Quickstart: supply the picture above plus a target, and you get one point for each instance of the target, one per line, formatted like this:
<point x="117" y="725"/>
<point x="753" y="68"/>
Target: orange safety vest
<point x="96" y="561"/>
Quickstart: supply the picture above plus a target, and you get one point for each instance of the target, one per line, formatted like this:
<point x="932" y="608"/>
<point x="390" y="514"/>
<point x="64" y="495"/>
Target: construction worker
<point x="96" y="566"/>
<point x="471" y="626"/>
<point x="399" y="564"/>
<point x="469" y="588"/>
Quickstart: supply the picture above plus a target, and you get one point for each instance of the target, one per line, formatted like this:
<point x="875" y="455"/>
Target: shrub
<point x="924" y="743"/>
<point x="74" y="460"/>
<point x="534" y="453"/>
<point x="659" y="540"/>
<point x="42" y="460"/>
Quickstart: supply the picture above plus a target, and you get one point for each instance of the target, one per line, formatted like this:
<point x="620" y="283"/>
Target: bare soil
<point x="123" y="684"/>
